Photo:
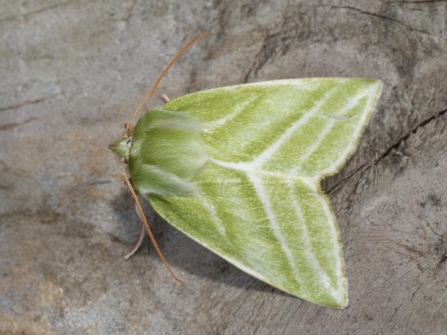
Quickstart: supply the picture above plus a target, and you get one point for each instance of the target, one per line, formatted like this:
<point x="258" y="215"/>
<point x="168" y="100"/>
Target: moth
<point x="238" y="170"/>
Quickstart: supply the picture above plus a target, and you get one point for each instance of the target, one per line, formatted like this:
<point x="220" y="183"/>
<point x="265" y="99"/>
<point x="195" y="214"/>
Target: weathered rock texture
<point x="72" y="72"/>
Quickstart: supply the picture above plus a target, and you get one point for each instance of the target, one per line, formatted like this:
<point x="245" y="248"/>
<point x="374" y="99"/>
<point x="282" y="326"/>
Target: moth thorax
<point x="166" y="154"/>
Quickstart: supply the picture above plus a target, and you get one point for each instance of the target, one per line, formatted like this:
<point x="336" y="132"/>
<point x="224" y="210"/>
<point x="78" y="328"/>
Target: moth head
<point x="121" y="147"/>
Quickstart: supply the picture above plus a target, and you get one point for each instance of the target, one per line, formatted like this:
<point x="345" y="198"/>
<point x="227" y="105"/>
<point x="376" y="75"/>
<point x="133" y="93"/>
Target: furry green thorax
<point x="164" y="153"/>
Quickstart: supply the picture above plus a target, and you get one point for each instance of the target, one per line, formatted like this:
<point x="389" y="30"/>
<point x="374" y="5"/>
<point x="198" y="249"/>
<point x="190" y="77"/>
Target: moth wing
<point x="260" y="205"/>
<point x="305" y="127"/>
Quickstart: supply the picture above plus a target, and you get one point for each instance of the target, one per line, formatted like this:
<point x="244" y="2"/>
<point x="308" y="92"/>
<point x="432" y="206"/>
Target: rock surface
<point x="72" y="72"/>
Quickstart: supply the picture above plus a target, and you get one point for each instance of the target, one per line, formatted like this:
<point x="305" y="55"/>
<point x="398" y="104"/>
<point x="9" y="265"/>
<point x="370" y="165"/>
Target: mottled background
<point x="72" y="72"/>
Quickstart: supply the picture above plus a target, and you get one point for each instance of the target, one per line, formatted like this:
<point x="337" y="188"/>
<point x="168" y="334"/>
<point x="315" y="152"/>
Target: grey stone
<point x="72" y="72"/>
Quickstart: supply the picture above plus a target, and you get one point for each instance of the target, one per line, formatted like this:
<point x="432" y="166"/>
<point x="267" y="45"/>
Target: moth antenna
<point x="143" y="218"/>
<point x="163" y="74"/>
<point x="137" y="244"/>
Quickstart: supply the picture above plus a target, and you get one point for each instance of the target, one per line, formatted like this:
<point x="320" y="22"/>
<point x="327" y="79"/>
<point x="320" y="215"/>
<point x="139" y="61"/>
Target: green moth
<point x="238" y="170"/>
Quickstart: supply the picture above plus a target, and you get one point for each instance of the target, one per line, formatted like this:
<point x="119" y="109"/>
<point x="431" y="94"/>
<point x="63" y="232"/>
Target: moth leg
<point x="146" y="225"/>
<point x="165" y="98"/>
<point x="139" y="241"/>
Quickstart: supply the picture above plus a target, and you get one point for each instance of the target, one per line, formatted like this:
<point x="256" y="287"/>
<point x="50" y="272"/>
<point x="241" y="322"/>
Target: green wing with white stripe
<point x="257" y="200"/>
